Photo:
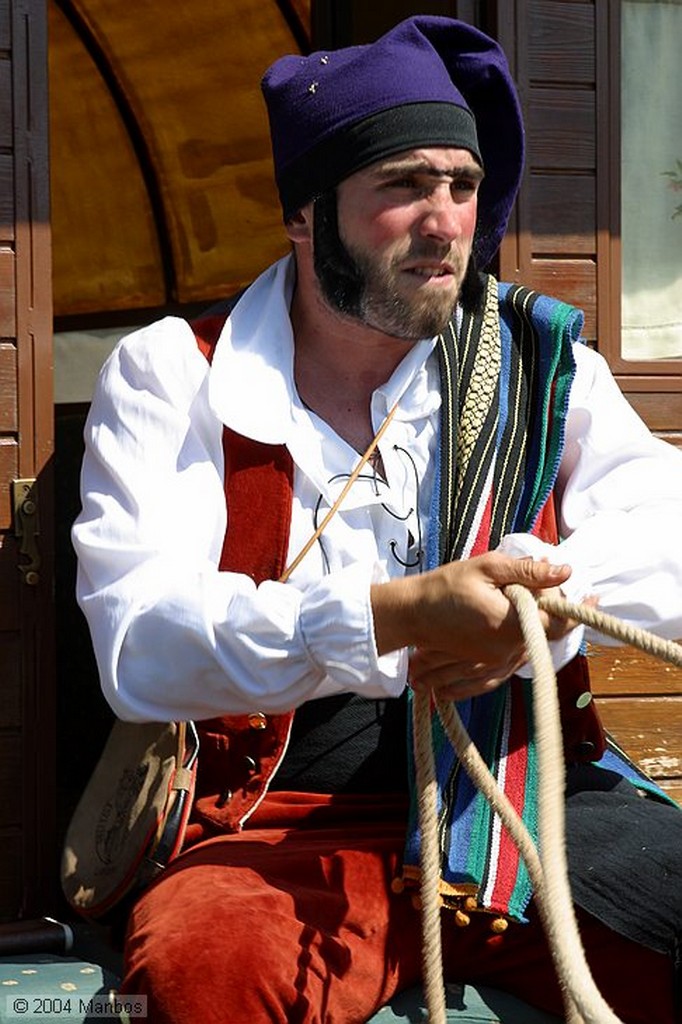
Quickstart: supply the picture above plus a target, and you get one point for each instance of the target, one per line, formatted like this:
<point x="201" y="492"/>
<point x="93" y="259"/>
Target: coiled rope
<point x="548" y="870"/>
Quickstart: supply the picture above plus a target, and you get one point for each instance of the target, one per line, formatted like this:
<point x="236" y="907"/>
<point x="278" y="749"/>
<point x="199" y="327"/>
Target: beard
<point x="365" y="289"/>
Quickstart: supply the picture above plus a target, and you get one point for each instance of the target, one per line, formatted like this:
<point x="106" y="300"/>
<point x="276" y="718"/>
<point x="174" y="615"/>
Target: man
<point x="215" y="452"/>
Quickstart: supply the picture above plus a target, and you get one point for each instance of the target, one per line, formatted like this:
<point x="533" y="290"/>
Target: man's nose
<point x="442" y="218"/>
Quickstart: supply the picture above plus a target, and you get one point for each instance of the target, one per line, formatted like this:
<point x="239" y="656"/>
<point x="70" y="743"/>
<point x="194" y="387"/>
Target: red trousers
<point x="294" y="921"/>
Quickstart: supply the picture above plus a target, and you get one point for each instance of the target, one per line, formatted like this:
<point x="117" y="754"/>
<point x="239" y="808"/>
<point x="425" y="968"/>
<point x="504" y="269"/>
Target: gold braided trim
<point x="479" y="396"/>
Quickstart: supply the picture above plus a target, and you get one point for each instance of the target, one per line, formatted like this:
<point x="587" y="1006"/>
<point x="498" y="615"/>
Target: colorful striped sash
<point x="505" y="378"/>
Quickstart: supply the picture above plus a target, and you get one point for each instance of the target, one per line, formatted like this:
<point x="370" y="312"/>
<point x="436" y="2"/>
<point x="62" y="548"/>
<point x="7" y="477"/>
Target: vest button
<point x="251" y="765"/>
<point x="583" y="700"/>
<point x="258" y="720"/>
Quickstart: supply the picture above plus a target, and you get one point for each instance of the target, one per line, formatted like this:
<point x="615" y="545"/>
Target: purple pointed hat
<point x="430" y="81"/>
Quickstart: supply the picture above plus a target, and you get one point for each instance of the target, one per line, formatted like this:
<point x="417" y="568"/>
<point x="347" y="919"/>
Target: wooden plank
<point x="5" y="31"/>
<point x="6" y="197"/>
<point x="623" y="671"/>
<point x="660" y="411"/>
<point x="673" y="789"/>
<point x="671" y="438"/>
<point x="8" y="323"/>
<point x="562" y="214"/>
<point x="10" y="680"/>
<point x="6" y="113"/>
<point x="649" y="729"/>
<point x="9" y="583"/>
<point x="27" y="770"/>
<point x="8" y="388"/>
<point x="11" y="872"/>
<point x="561" y="129"/>
<point x="9" y="456"/>
<point x="573" y="281"/>
<point x="11" y="776"/>
<point x="561" y="44"/>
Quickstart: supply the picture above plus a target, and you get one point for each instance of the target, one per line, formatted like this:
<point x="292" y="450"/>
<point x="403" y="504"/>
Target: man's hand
<point x="464" y="632"/>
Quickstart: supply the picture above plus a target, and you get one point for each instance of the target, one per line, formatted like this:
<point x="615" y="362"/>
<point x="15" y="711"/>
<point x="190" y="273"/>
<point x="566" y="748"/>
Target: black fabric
<point x="625" y="857"/>
<point x="346" y="744"/>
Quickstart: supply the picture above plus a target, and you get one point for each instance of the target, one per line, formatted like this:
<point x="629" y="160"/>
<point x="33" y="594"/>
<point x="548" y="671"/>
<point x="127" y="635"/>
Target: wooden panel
<point x="5" y="35"/>
<point x="561" y="129"/>
<point x="640" y="700"/>
<point x="10" y="780"/>
<point x="6" y="118"/>
<point x="356" y="21"/>
<point x="204" y="218"/>
<point x="27" y="771"/>
<point x="8" y="327"/>
<point x="673" y="789"/>
<point x="6" y="198"/>
<point x="561" y="41"/>
<point x="649" y="729"/>
<point x="660" y="411"/>
<point x="560" y="226"/>
<point x="9" y="583"/>
<point x="106" y="253"/>
<point x="8" y="471"/>
<point x="672" y="438"/>
<point x="573" y="281"/>
<point x="8" y="387"/>
<point x="10" y="680"/>
<point x="620" y="671"/>
<point x="11" y="871"/>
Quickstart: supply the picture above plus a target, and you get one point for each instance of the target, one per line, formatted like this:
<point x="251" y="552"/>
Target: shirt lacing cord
<point x="375" y="479"/>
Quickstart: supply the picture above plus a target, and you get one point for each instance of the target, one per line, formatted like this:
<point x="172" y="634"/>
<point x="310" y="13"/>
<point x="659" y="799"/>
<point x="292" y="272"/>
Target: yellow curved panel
<point x="105" y="249"/>
<point x="191" y="75"/>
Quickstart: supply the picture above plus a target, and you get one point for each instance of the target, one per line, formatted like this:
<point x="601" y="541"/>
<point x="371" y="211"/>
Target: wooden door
<point x="27" y="854"/>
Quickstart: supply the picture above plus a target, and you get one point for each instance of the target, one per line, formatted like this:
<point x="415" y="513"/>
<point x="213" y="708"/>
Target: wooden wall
<point x="640" y="701"/>
<point x="26" y="657"/>
<point x="554" y="239"/>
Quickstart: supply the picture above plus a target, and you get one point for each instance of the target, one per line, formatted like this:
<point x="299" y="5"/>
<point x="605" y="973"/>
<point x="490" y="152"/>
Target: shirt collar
<point x="251" y="384"/>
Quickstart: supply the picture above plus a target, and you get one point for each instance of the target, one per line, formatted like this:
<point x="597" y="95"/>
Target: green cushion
<point x="42" y="987"/>
<point x="465" y="1003"/>
<point x="38" y="988"/>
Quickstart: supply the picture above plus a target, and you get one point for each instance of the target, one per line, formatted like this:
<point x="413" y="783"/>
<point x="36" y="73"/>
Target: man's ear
<point x="299" y="228"/>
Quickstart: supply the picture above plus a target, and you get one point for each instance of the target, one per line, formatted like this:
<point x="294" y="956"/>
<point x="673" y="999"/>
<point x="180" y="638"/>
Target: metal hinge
<point x="27" y="526"/>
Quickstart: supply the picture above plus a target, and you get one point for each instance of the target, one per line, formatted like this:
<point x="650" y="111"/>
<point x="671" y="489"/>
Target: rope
<point x="548" y="871"/>
<point x="601" y="622"/>
<point x="425" y="772"/>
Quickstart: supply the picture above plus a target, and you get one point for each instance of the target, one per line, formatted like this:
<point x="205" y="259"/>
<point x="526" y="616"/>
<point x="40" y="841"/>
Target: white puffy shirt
<point x="177" y="639"/>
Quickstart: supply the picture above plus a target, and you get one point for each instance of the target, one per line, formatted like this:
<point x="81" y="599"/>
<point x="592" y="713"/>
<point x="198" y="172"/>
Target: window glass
<point x="651" y="186"/>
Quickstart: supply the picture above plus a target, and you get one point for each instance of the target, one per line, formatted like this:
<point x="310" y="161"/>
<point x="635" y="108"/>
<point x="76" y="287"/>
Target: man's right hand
<point x="464" y="633"/>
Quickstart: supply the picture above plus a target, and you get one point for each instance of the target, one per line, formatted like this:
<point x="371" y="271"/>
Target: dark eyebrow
<point x="469" y="171"/>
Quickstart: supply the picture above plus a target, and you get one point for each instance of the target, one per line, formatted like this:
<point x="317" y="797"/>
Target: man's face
<point x="405" y="232"/>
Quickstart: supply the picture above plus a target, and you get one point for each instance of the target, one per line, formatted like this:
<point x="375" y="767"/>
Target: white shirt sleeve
<point x="619" y="495"/>
<point x="175" y="638"/>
